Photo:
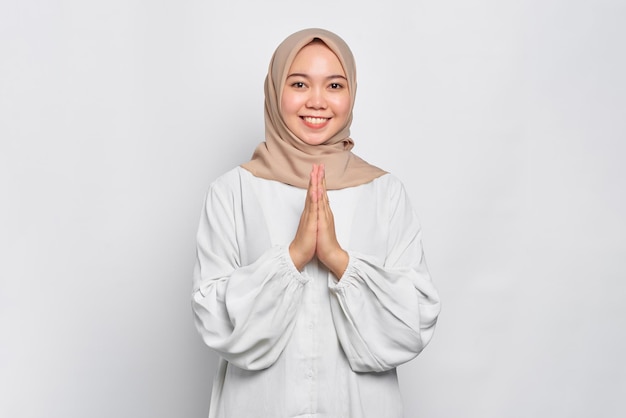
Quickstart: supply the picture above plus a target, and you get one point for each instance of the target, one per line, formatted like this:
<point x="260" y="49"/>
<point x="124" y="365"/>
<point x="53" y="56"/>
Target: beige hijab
<point x="286" y="158"/>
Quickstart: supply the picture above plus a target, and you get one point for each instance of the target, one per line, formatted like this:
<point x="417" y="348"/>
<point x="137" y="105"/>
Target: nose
<point x="317" y="99"/>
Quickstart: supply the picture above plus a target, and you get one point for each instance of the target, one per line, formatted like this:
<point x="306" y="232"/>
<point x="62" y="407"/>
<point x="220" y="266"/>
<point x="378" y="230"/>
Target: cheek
<point x="288" y="104"/>
<point x="342" y="106"/>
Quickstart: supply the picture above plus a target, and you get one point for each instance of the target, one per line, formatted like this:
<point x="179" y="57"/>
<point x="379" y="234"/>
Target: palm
<point x="316" y="230"/>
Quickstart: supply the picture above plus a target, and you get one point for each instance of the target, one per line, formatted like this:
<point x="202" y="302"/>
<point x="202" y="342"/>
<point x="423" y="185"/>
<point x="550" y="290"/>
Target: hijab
<point x="286" y="158"/>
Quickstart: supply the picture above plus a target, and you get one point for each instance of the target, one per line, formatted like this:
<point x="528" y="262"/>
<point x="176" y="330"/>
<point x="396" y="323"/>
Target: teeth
<point x="315" y="121"/>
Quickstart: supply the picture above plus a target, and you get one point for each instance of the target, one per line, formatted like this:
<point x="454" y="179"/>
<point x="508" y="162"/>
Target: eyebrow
<point x="330" y="77"/>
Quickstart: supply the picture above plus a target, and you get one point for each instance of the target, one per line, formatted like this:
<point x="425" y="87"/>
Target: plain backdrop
<point x="506" y="120"/>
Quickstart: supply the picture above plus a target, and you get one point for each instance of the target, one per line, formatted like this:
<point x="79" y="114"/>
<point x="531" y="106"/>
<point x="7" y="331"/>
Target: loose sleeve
<point x="246" y="313"/>
<point x="385" y="309"/>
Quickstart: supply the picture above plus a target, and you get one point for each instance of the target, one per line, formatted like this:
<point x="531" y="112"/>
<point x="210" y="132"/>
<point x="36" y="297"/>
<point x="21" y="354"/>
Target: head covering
<point x="285" y="157"/>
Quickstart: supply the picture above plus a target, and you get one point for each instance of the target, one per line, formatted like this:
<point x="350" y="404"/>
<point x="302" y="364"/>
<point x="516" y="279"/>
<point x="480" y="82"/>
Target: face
<point x="315" y="103"/>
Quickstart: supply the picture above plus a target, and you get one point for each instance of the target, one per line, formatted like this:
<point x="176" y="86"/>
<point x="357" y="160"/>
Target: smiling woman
<point x="311" y="308"/>
<point x="315" y="103"/>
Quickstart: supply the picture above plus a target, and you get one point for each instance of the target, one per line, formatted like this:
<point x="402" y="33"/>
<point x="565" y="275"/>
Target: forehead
<point x="316" y="55"/>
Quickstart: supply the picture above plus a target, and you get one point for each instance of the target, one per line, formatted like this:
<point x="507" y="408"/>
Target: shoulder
<point x="225" y="189"/>
<point x="387" y="180"/>
<point x="239" y="182"/>
<point x="392" y="194"/>
<point x="388" y="184"/>
<point x="381" y="189"/>
<point x="230" y="181"/>
<point x="229" y="178"/>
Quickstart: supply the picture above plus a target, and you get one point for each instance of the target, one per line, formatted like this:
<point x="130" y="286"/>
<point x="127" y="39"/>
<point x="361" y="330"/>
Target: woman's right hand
<point x="302" y="248"/>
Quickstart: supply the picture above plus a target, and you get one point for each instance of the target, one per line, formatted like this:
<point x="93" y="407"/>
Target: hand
<point x="316" y="230"/>
<point x="302" y="248"/>
<point x="328" y="249"/>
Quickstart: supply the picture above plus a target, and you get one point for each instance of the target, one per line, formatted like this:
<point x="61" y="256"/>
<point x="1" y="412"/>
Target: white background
<point x="505" y="119"/>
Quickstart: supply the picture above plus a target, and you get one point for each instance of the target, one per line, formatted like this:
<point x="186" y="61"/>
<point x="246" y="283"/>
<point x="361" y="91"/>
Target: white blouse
<point x="304" y="344"/>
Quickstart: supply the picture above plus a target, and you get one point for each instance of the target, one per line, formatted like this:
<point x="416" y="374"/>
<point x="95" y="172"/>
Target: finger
<point x="313" y="186"/>
<point x="315" y="182"/>
<point x="302" y="248"/>
<point x="323" y="190"/>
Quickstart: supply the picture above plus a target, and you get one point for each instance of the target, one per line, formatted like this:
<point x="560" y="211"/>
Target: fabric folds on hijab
<point x="286" y="158"/>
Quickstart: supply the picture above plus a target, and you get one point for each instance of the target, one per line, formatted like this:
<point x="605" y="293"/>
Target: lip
<point x="315" y="122"/>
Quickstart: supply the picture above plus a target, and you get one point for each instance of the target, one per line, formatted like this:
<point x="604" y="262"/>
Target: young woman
<point x="310" y="280"/>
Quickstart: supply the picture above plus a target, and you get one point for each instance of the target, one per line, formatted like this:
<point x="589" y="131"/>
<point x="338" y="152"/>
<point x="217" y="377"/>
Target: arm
<point x="385" y="310"/>
<point x="245" y="313"/>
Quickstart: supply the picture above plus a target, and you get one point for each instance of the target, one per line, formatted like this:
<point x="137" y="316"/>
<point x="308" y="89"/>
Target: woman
<point x="310" y="280"/>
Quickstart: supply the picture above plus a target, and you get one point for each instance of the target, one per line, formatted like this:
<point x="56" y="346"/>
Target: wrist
<point x="337" y="262"/>
<point x="295" y="258"/>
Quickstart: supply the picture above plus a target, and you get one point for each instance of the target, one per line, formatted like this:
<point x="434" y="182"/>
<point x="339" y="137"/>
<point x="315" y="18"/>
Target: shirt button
<point x="309" y="374"/>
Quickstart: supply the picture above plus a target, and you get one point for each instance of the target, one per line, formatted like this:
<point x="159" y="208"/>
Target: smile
<point x="315" y="122"/>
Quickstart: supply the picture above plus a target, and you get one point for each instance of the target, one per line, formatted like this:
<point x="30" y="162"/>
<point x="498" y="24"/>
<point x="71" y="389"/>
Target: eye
<point x="298" y="85"/>
<point x="335" y="86"/>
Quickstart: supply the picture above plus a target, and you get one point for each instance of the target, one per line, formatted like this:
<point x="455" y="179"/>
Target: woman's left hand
<point x="328" y="250"/>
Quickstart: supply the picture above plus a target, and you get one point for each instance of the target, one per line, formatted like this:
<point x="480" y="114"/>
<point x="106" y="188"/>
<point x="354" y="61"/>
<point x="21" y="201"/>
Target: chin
<point x="314" y="142"/>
